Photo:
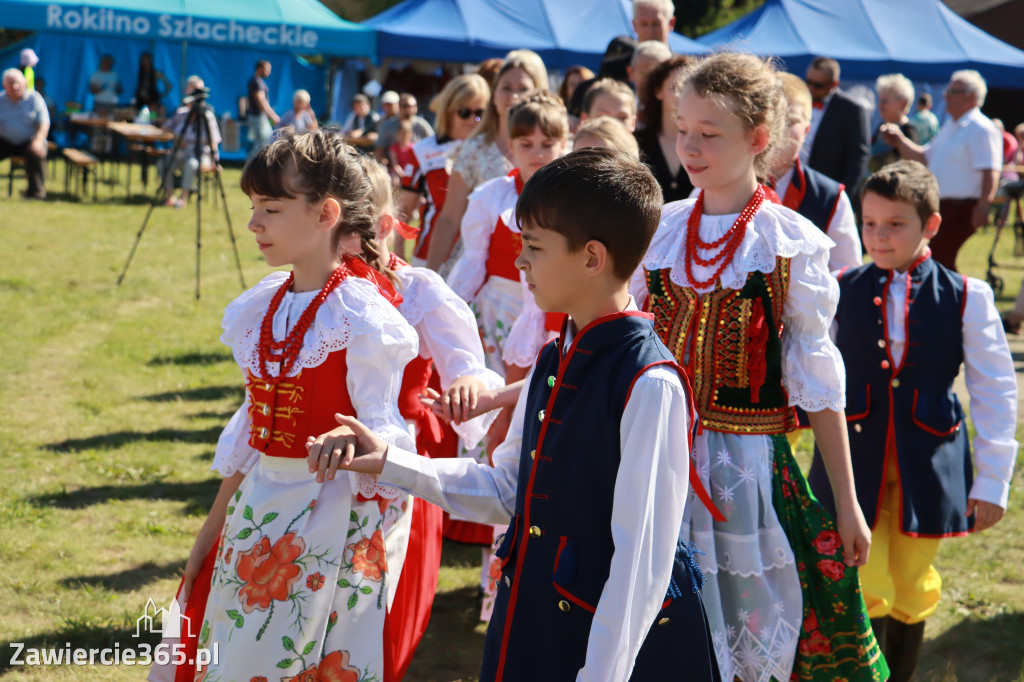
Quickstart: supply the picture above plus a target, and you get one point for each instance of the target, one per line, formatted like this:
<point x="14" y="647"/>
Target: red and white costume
<point x="300" y="563"/>
<point x="429" y="173"/>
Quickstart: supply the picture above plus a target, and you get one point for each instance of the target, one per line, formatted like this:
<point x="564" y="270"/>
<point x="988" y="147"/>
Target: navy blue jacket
<point x="819" y="195"/>
<point x="557" y="552"/>
<point x="914" y="403"/>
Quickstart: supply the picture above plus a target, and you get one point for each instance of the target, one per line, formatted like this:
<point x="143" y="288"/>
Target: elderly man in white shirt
<point x="24" y="125"/>
<point x="965" y="157"/>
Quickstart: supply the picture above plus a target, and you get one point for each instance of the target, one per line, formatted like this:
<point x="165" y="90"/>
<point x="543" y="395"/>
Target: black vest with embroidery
<point x="908" y="411"/>
<point x="731" y="341"/>
<point x="820" y="196"/>
<point x="557" y="552"/>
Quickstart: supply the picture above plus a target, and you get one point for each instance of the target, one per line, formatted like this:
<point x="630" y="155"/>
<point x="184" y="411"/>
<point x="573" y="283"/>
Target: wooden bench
<point x="18" y="163"/>
<point x="84" y="164"/>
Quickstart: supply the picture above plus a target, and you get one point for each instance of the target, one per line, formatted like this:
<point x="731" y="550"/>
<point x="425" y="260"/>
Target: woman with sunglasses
<point x="486" y="153"/>
<point x="459" y="107"/>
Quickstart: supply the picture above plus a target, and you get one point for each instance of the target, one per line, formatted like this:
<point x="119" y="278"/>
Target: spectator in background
<point x="105" y="86"/>
<point x="388" y="106"/>
<point x="837" y="143"/>
<point x="261" y="117"/>
<point x="51" y="106"/>
<point x="489" y="68"/>
<point x="574" y="75"/>
<point x="609" y="97"/>
<point x="24" y="124"/>
<point x="605" y="131"/>
<point x="28" y="60"/>
<point x="614" y="64"/>
<point x="965" y="157"/>
<point x="300" y="116"/>
<point x="653" y="19"/>
<point x="361" y="124"/>
<point x="924" y="120"/>
<point x="648" y="55"/>
<point x="185" y="159"/>
<point x="407" y="108"/>
<point x="657" y="139"/>
<point x="147" y="86"/>
<point x="400" y="153"/>
<point x="895" y="93"/>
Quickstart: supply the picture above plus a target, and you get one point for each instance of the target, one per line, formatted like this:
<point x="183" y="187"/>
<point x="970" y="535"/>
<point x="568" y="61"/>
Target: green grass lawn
<point x="113" y="398"/>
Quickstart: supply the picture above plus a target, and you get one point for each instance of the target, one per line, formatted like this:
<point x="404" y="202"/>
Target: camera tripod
<point x="197" y="121"/>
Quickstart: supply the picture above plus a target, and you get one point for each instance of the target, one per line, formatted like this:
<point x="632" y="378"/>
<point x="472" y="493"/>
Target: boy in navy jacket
<point x="904" y="325"/>
<point x="595" y="584"/>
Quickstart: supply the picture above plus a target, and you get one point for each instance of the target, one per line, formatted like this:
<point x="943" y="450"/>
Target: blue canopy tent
<point x="218" y="41"/>
<point x="562" y="32"/>
<point x="922" y="39"/>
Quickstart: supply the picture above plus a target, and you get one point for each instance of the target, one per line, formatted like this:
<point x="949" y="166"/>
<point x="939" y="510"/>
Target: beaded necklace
<point x="286" y="352"/>
<point x="729" y="242"/>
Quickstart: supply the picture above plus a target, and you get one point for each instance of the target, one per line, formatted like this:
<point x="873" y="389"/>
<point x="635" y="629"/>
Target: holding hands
<point x="350" y="446"/>
<point x="465" y="399"/>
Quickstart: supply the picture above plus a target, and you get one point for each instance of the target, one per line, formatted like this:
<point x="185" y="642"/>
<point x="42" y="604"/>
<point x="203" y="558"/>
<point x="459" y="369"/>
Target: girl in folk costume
<point x="534" y="327"/>
<point x="741" y="294"/>
<point x="459" y="107"/>
<point x="300" y="580"/>
<point x="485" y="274"/>
<point x="449" y="343"/>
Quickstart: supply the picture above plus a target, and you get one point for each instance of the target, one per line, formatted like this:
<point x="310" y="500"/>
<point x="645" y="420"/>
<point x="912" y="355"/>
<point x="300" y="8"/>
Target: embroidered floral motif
<point x="269" y="572"/>
<point x="368" y="556"/>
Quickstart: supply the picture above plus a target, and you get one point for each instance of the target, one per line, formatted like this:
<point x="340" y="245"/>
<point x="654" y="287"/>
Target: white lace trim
<point x="492" y="200"/>
<point x="423" y="291"/>
<point x="353" y="308"/>
<point x="775" y="231"/>
<point x="528" y="333"/>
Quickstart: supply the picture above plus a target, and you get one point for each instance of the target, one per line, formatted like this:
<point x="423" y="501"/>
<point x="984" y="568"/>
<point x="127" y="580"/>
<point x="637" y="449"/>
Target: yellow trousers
<point x="899" y="580"/>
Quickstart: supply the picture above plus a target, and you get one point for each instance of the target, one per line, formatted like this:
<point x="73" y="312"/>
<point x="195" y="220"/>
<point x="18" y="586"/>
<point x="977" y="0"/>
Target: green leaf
<point x="284" y="662"/>
<point x="351" y="532"/>
<point x="247" y="513"/>
<point x="243" y="534"/>
<point x="239" y="622"/>
<point x="352" y="601"/>
<point x="353" y="517"/>
<point x="365" y="521"/>
<point x="231" y="510"/>
<point x="344" y="583"/>
<point x="268" y="518"/>
<point x="366" y="589"/>
<point x="238" y="495"/>
<point x="308" y="649"/>
<point x="289" y="645"/>
<point x="234" y="615"/>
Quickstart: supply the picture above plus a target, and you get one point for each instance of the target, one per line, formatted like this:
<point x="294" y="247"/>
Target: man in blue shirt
<point x="24" y="124"/>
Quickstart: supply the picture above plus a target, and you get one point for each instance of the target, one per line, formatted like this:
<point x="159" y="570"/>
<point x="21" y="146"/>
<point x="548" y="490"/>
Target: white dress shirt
<point x="991" y="384"/>
<point x="647" y="509"/>
<point x="842" y="229"/>
<point x="961" y="150"/>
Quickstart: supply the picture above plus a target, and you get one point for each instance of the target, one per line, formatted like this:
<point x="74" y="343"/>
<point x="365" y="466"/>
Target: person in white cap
<point x="29" y="59"/>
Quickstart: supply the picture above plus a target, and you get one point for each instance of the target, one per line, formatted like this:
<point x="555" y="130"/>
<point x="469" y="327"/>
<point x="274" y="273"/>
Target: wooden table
<point x="143" y="133"/>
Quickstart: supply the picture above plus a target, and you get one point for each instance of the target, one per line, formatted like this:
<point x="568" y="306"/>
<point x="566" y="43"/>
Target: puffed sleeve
<point x="478" y="223"/>
<point x="448" y="334"/>
<point x="812" y="367"/>
<point x="376" y="359"/>
<point x="233" y="453"/>
<point x="528" y="333"/>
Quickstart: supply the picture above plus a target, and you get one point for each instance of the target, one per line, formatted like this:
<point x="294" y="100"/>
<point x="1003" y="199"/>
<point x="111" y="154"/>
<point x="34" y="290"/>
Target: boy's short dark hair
<point x="908" y="181"/>
<point x="542" y="109"/>
<point x="596" y="193"/>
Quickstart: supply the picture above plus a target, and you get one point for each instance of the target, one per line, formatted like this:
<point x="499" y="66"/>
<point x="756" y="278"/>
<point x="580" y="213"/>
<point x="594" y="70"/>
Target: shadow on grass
<point x="118" y="439"/>
<point x="79" y="635"/>
<point x="452" y="647"/>
<point x="130" y="579"/>
<point x="198" y="394"/>
<point x="198" y="495"/>
<point x="976" y="650"/>
<point x="460" y="555"/>
<point x="194" y="358"/>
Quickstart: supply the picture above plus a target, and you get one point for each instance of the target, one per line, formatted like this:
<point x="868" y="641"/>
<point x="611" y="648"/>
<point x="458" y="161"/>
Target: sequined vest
<point x="731" y="342"/>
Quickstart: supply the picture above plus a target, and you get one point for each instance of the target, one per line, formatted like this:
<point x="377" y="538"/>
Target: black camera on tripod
<point x="198" y="94"/>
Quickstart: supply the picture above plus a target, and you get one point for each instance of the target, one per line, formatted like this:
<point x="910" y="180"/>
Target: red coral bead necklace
<point x="729" y="242"/>
<point x="286" y="352"/>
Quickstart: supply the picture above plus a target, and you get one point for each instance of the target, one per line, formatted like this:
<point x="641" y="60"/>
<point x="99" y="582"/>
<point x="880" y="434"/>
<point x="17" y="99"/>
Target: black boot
<point x="880" y="628"/>
<point x="902" y="649"/>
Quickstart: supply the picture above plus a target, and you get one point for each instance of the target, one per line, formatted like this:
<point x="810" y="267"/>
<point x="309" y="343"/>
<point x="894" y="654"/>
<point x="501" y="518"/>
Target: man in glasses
<point x="965" y="157"/>
<point x="407" y="108"/>
<point x="838" y="141"/>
